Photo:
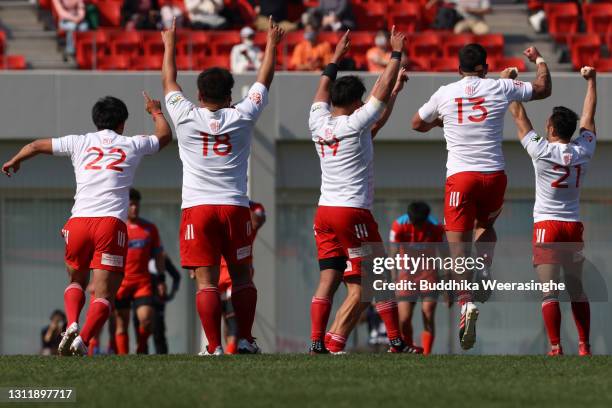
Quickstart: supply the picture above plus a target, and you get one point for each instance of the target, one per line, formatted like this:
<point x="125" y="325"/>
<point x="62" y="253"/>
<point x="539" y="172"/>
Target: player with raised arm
<point x="214" y="145"/>
<point x="104" y="163"/>
<point x="343" y="223"/>
<point x="472" y="111"/>
<point x="560" y="166"/>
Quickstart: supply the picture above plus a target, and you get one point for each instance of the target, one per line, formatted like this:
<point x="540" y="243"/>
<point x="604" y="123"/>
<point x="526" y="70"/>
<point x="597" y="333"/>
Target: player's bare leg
<point x="581" y="309"/>
<point x="244" y="300"/>
<point x="122" y="324"/>
<point x="320" y="308"/>
<point x="428" y="309"/>
<point x="347" y="316"/>
<point x="208" y="305"/>
<point x="406" y="310"/>
<point x="106" y="284"/>
<point x="551" y="312"/>
<point x="74" y="300"/>
<point x="144" y="313"/>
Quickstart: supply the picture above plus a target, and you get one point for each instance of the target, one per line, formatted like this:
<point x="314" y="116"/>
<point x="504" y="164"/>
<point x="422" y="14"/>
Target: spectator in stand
<point x="378" y="56"/>
<point x="71" y="14"/>
<point x="473" y="13"/>
<point x="246" y="56"/>
<point x="332" y="15"/>
<point x="141" y="15"/>
<point x="278" y="9"/>
<point x="206" y="14"/>
<point x="52" y="334"/>
<point x="310" y="54"/>
<point x="169" y="12"/>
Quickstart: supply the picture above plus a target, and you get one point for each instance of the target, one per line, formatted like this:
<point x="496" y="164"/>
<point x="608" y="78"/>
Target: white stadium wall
<point x="284" y="176"/>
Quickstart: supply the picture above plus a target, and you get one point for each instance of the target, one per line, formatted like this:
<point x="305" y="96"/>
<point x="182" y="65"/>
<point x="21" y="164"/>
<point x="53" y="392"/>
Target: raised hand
<point x="588" y="72"/>
<point x="532" y="54"/>
<point x="510" y="72"/>
<point x="397" y="40"/>
<point x="402" y="78"/>
<point x="168" y="36"/>
<point x="342" y="47"/>
<point x="152" y="106"/>
<point x="275" y="33"/>
<point x="11" y="164"/>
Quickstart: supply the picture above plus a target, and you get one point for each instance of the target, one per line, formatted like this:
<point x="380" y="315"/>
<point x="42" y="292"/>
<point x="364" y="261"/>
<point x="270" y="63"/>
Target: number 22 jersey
<point x="215" y="147"/>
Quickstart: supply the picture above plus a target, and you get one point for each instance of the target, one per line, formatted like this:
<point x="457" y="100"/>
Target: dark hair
<point x="109" y="113"/>
<point x="57" y="312"/>
<point x="564" y="122"/>
<point x="347" y="90"/>
<point x="134" y="195"/>
<point x="418" y="211"/>
<point x="215" y="84"/>
<point x="472" y="58"/>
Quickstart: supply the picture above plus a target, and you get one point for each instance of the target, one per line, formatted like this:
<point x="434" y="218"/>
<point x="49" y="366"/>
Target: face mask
<point x="310" y="36"/>
<point x="248" y="42"/>
<point x="380" y="41"/>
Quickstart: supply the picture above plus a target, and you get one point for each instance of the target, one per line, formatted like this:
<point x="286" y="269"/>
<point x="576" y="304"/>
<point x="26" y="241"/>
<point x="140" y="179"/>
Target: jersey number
<point x="92" y="165"/>
<point x="477" y="106"/>
<point x="221" y="147"/>
<point x="560" y="183"/>
<point x="333" y="144"/>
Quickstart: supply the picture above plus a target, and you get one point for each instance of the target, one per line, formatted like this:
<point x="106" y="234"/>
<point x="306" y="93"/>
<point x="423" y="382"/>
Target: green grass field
<point x="357" y="380"/>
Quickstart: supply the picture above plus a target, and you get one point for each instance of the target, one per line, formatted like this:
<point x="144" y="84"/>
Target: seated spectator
<point x="71" y="14"/>
<point x="206" y="14"/>
<point x="246" y="56"/>
<point x="310" y="54"/>
<point x="141" y="15"/>
<point x="278" y="9"/>
<point x="378" y="56"/>
<point x="333" y="15"/>
<point x="169" y="12"/>
<point x="51" y="335"/>
<point x="473" y="12"/>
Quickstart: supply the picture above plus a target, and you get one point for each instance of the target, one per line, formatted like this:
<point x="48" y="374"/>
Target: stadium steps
<point x="511" y="20"/>
<point x="26" y="35"/>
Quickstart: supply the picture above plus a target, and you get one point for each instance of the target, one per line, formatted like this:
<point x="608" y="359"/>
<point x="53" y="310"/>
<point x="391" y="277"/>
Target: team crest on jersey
<point x="567" y="158"/>
<point x="175" y="99"/>
<point x="536" y="138"/>
<point x="470" y="90"/>
<point x="107" y="141"/>
<point x="518" y="83"/>
<point x="256" y="98"/>
<point x="215" y="126"/>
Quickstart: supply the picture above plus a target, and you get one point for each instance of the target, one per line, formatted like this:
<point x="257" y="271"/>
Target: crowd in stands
<point x="208" y="29"/>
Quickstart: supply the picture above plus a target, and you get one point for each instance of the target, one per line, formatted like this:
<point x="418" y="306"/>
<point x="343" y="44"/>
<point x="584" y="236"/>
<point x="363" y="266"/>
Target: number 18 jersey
<point x="473" y="111"/>
<point x="215" y="147"/>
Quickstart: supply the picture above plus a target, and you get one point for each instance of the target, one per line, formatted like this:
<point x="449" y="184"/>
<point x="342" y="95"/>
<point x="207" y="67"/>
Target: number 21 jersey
<point x="215" y="147"/>
<point x="473" y="111"/>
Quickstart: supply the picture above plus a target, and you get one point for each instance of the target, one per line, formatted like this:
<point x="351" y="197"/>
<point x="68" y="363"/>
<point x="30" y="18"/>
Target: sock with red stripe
<point x="551" y="312"/>
<point x="97" y="315"/>
<point x="427" y="339"/>
<point x="208" y="304"/>
<point x="390" y="316"/>
<point x="335" y="342"/>
<point x="582" y="317"/>
<point x="320" y="309"/>
<point x="74" y="300"/>
<point x="142" y="346"/>
<point x="122" y="343"/>
<point x="244" y="300"/>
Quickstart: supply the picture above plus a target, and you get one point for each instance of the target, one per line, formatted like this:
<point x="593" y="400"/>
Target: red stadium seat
<point x="371" y="16"/>
<point x="183" y="62"/>
<point x="13" y="62"/>
<point x="199" y="44"/>
<point x="445" y="65"/>
<point x="125" y="43"/>
<point x="152" y="43"/>
<point x="419" y="64"/>
<point x="604" y="65"/>
<point x="85" y="44"/>
<point x="499" y="64"/>
<point x="330" y="37"/>
<point x="115" y="63"/>
<point x="147" y="62"/>
<point x="598" y="17"/>
<point x="493" y="43"/>
<point x="361" y="42"/>
<point x="453" y="43"/>
<point x="204" y="62"/>
<point x="183" y="42"/>
<point x="406" y="17"/>
<point x="585" y="49"/>
<point x="2" y="42"/>
<point x="110" y="12"/>
<point x="222" y="42"/>
<point x="425" y="45"/>
<point x="562" y="20"/>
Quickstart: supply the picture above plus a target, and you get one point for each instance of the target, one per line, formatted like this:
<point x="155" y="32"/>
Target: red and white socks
<point x="74" y="300"/>
<point x="208" y="305"/>
<point x="320" y="309"/>
<point x="98" y="313"/>
<point x="244" y="300"/>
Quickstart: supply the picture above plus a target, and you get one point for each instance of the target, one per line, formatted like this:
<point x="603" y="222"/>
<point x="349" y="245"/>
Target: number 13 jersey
<point x="473" y="111"/>
<point x="104" y="165"/>
<point x="215" y="147"/>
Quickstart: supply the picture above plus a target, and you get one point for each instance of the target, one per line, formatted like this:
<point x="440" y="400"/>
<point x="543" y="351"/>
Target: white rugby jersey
<point x="104" y="165"/>
<point x="559" y="171"/>
<point x="346" y="152"/>
<point x="215" y="147"/>
<point x="473" y="111"/>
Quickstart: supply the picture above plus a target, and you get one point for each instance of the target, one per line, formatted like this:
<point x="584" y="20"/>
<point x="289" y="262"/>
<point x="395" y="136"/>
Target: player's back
<point x="143" y="244"/>
<point x="559" y="170"/>
<point x="346" y="154"/>
<point x="104" y="165"/>
<point x="473" y="111"/>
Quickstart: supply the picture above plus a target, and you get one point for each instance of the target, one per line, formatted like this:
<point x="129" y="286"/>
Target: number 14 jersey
<point x="473" y="111"/>
<point x="215" y="147"/>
